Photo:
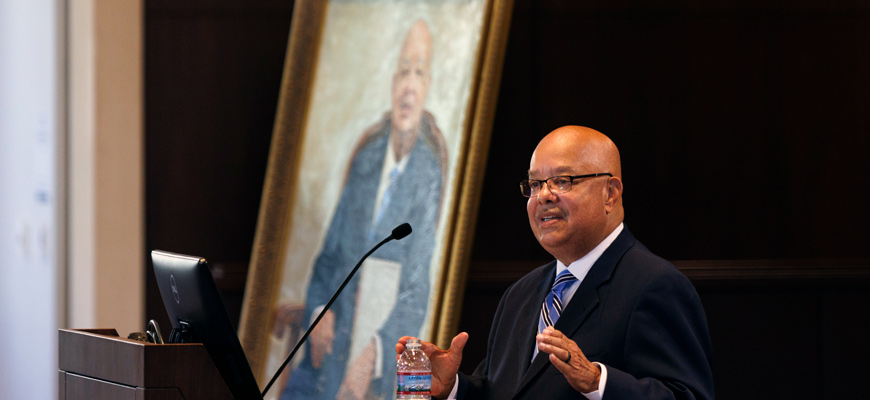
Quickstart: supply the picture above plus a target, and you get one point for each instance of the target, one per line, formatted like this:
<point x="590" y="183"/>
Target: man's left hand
<point x="564" y="353"/>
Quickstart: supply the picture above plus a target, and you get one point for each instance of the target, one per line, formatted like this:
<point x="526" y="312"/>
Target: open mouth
<point x="550" y="217"/>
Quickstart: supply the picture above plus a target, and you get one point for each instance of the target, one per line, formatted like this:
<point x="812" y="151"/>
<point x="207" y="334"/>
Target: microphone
<point x="401" y="231"/>
<point x="398" y="233"/>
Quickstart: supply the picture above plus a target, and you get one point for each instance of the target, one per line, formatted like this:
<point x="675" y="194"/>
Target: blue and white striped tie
<point x="552" y="307"/>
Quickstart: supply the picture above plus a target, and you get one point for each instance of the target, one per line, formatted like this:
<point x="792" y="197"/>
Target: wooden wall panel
<point x="212" y="73"/>
<point x="741" y="125"/>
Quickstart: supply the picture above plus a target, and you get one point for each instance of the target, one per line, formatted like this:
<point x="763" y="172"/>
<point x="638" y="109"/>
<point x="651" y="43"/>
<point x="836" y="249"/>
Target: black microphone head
<point x="401" y="231"/>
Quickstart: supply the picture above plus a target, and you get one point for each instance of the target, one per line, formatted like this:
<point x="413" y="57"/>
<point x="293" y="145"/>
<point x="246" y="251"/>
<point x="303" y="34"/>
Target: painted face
<point x="411" y="80"/>
<point x="570" y="224"/>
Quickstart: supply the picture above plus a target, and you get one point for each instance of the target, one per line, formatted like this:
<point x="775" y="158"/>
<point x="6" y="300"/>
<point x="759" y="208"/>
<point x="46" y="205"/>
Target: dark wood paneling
<point x="776" y="341"/>
<point x="742" y="125"/>
<point x="212" y="73"/>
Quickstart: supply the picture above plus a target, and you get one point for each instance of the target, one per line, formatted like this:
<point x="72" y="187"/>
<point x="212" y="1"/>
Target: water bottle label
<point x="414" y="383"/>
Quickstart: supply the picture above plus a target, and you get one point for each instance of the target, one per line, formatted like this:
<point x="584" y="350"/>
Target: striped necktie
<point x="552" y="307"/>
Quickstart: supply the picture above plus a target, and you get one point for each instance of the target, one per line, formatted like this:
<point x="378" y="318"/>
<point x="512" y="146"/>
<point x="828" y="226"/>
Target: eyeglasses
<point x="557" y="184"/>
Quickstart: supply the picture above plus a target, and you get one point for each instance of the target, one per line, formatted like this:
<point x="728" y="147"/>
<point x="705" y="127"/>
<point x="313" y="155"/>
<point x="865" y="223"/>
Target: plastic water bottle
<point x="414" y="373"/>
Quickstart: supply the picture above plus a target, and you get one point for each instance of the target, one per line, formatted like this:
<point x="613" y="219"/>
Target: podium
<point x="97" y="364"/>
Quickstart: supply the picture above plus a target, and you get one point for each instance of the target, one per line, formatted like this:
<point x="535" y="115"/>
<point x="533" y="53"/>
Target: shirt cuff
<point x="379" y="369"/>
<point x="452" y="395"/>
<point x="598" y="394"/>
<point x="314" y="313"/>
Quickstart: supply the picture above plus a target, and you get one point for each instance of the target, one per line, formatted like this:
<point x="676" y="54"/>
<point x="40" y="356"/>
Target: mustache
<point x="553" y="211"/>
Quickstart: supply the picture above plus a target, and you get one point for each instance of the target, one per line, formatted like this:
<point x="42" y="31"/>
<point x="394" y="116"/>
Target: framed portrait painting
<point x="384" y="118"/>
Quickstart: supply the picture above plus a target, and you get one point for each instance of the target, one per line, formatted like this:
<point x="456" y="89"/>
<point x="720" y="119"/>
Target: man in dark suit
<point x="618" y="323"/>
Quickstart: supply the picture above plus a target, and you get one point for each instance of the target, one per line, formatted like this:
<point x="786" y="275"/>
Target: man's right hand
<point x="445" y="363"/>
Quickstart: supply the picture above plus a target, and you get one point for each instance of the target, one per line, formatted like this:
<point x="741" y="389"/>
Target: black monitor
<point x="198" y="315"/>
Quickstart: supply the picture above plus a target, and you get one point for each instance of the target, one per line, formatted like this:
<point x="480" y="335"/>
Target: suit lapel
<point x="586" y="296"/>
<point x="531" y="313"/>
<point x="584" y="301"/>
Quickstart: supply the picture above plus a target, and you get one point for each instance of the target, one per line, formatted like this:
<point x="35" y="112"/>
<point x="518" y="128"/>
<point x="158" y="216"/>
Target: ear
<point x="614" y="194"/>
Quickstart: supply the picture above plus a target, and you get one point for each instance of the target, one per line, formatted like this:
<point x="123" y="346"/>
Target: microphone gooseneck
<point x="398" y="233"/>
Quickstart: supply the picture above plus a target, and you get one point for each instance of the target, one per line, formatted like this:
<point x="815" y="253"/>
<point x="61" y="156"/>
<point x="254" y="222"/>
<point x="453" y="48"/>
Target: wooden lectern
<point x="97" y="364"/>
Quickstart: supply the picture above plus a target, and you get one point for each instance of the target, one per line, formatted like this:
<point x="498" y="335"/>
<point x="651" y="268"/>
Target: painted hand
<point x="287" y="317"/>
<point x="322" y="338"/>
<point x="359" y="375"/>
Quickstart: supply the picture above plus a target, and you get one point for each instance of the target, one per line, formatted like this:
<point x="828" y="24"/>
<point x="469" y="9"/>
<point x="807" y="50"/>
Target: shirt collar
<point x="582" y="266"/>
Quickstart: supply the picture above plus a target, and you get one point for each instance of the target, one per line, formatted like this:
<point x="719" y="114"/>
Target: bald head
<point x="570" y="224"/>
<point x="412" y="78"/>
<point x="590" y="148"/>
<point x="418" y="42"/>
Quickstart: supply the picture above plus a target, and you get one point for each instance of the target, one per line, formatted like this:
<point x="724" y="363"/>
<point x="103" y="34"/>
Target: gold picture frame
<point x="339" y="52"/>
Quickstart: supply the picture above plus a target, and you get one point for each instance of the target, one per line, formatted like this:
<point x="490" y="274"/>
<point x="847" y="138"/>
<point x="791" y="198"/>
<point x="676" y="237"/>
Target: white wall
<point x="31" y="196"/>
<point x="71" y="180"/>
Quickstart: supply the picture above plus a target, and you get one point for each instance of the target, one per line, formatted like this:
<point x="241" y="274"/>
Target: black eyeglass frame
<point x="525" y="183"/>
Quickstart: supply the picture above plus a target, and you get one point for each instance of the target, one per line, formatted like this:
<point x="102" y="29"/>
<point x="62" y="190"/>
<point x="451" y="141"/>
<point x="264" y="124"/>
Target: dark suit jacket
<point x="634" y="312"/>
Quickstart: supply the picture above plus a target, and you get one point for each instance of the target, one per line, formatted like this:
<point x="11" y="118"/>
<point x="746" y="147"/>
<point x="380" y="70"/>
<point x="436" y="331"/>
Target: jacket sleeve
<point x="667" y="345"/>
